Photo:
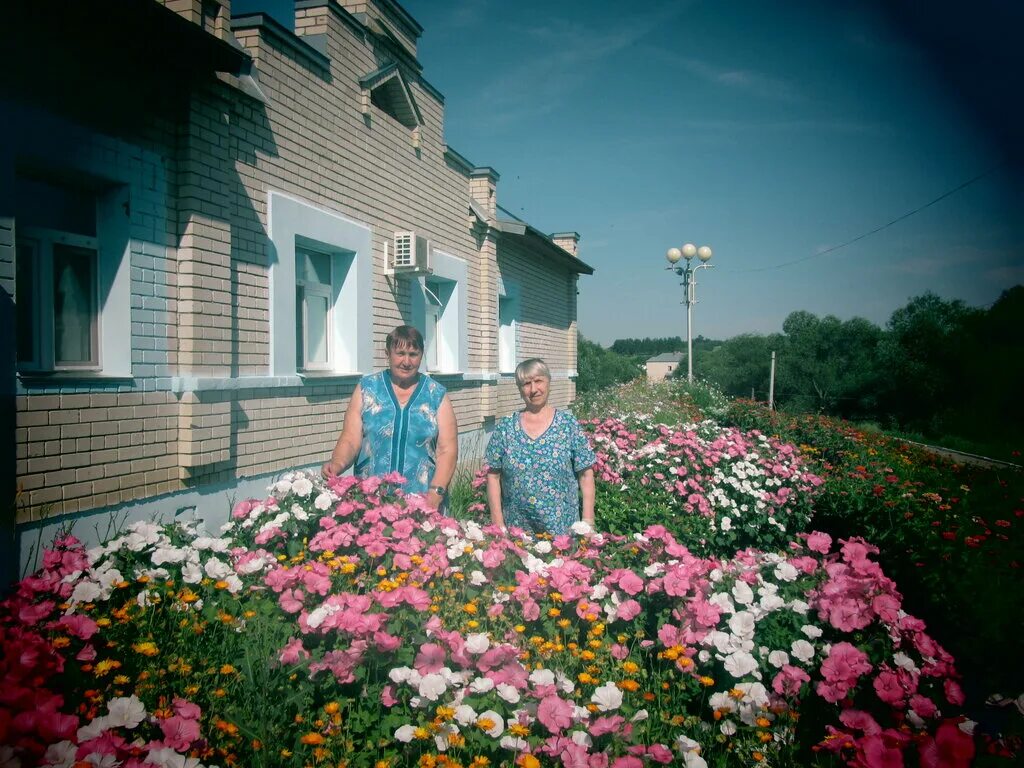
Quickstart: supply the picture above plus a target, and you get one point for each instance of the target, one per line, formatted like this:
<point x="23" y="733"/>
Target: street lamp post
<point x="689" y="274"/>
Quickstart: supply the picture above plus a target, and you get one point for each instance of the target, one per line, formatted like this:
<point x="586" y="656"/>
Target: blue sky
<point x="769" y="131"/>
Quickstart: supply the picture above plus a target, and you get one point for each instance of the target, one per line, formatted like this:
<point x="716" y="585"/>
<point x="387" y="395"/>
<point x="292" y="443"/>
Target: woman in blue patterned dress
<point x="400" y="420"/>
<point x="540" y="464"/>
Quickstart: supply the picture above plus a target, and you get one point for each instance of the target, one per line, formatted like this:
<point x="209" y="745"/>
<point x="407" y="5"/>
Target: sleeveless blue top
<point x="397" y="439"/>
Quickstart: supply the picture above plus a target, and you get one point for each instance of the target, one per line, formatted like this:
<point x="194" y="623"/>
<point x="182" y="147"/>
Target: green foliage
<point x="600" y="368"/>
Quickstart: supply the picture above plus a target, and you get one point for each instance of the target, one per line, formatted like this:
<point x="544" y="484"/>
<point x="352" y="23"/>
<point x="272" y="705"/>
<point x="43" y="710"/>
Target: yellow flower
<point x="61" y="642"/>
<point x="519" y="730"/>
<point x="564" y="623"/>
<point x="528" y="761"/>
<point x="469" y="608"/>
<point x="332" y="707"/>
<point x="105" y="666"/>
<point x="554" y="613"/>
<point x="485" y="724"/>
<point x="312" y="739"/>
<point x="630" y="667"/>
<point x="628" y="685"/>
<point x="472" y="623"/>
<point x="520" y="628"/>
<point x="146" y="648"/>
<point x="421" y="733"/>
<point x="227" y="669"/>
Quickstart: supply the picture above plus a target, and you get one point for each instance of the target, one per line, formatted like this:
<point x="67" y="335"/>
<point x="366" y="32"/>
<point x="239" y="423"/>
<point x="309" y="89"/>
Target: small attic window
<point x="387" y="90"/>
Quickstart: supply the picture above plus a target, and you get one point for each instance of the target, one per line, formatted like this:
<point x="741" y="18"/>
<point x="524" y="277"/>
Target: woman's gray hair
<point x="530" y="368"/>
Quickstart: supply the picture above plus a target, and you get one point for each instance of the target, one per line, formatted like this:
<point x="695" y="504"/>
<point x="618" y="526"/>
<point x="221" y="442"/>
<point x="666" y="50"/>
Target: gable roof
<point x="511" y="225"/>
<point x="391" y="93"/>
<point x="667" y="357"/>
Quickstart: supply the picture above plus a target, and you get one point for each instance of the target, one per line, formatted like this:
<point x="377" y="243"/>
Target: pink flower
<point x="242" y="509"/>
<point x="887" y="607"/>
<point x="954" y="694"/>
<point x="629" y="609"/>
<point x="951" y="748"/>
<point x="659" y="753"/>
<point x="80" y="626"/>
<point x="293" y="652"/>
<point x="877" y="753"/>
<point x="923" y="706"/>
<point x="860" y="721"/>
<point x="789" y="680"/>
<point x="387" y="696"/>
<point x="602" y="725"/>
<point x="554" y="713"/>
<point x="887" y="686"/>
<point x="385" y="643"/>
<point x="628" y="761"/>
<point x="179" y="732"/>
<point x="819" y="542"/>
<point x="430" y="658"/>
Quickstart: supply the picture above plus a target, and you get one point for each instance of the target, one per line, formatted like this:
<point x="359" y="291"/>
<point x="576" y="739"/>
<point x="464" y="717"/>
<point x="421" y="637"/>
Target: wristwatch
<point x="440" y="490"/>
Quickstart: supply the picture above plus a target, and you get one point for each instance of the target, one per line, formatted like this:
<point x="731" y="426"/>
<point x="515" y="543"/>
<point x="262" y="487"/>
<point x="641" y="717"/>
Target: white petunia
<point x="742" y="623"/>
<point x="514" y="743"/>
<point x="92" y="729"/>
<point x="639" y="717"/>
<point x="728" y="727"/>
<point x="217" y="569"/>
<point x="477" y="578"/>
<point x="653" y="570"/>
<point x="742" y="593"/>
<point x="542" y="677"/>
<point x="508" y="693"/>
<point x="903" y="661"/>
<point x="778" y="659"/>
<point x="581" y="528"/>
<point x="165" y="757"/>
<point x="802" y="650"/>
<point x="465" y="715"/>
<point x="85" y="592"/>
<point x="725" y="524"/>
<point x="302" y="487"/>
<point x="723" y="602"/>
<point x="543" y="547"/>
<point x="799" y="606"/>
<point x="740" y="663"/>
<point x="771" y="603"/>
<point x="191" y="573"/>
<point x="432" y="686"/>
<point x="811" y="631"/>
<point x="405" y="733"/>
<point x="163" y="555"/>
<point x="599" y="592"/>
<point x="281" y="487"/>
<point x="582" y="738"/>
<point x="59" y="755"/>
<point x="477" y="642"/>
<point x="786" y="572"/>
<point x="125" y="712"/>
<point x="608" y="697"/>
<point x="323" y="501"/>
<point x="481" y="685"/>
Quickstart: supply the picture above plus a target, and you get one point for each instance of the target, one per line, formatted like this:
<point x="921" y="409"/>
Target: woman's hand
<point x="434" y="499"/>
<point x="329" y="470"/>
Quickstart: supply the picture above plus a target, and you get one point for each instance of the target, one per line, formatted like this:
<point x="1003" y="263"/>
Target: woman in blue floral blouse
<point x="540" y="464"/>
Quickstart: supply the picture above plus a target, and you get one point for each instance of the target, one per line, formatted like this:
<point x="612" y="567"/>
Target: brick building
<point x="207" y="226"/>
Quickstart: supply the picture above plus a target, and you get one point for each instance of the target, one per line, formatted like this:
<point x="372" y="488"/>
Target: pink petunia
<point x="629" y="610"/>
<point x="430" y="658"/>
<point x="554" y="713"/>
<point x="819" y="542"/>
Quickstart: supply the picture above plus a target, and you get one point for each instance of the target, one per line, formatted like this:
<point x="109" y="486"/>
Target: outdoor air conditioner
<point x="410" y="254"/>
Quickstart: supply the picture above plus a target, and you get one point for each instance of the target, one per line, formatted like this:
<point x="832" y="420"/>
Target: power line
<point x="876" y="230"/>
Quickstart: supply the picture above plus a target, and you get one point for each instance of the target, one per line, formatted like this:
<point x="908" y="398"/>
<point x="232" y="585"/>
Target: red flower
<point x="951" y="748"/>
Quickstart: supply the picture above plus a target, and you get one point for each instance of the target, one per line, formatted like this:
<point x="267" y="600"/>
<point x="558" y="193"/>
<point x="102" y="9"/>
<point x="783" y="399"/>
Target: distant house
<point x="661" y="366"/>
<point x="207" y="226"/>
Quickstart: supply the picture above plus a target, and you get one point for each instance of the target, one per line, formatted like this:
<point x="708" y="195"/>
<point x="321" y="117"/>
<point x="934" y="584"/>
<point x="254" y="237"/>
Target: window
<point x="321" y="317"/>
<point x="439" y="310"/>
<point x="62" y="230"/>
<point x="508" y="327"/>
<point x="313" y="313"/>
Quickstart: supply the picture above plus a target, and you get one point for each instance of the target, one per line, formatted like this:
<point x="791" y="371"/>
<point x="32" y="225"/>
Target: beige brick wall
<point x="200" y="284"/>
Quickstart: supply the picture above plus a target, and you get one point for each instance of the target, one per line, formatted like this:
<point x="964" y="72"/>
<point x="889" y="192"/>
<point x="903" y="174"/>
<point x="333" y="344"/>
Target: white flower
<point x="85" y="592"/>
<point x="165" y="757"/>
<point x="125" y="712"/>
<point x="704" y="656"/>
<point x="481" y="685"/>
<point x="742" y="592"/>
<point x="742" y="624"/>
<point x="59" y="755"/>
<point x="217" y="569"/>
<point x="191" y="573"/>
<point x="473" y="531"/>
<point x="755" y="694"/>
<point x="168" y="555"/>
<point x="799" y="606"/>
<point x="728" y="727"/>
<point x="599" y="592"/>
<point x="543" y="547"/>
<point x="477" y="578"/>
<point x="497" y="724"/>
<point x="323" y="501"/>
<point x="802" y="650"/>
<point x="465" y="715"/>
<point x="92" y="729"/>
<point x="903" y="661"/>
<point x="281" y="487"/>
<point x="639" y="717"/>
<point x="317" y="616"/>
<point x="581" y="528"/>
<point x="542" y="677"/>
<point x="811" y="631"/>
<point x="477" y="642"/>
<point x="771" y="602"/>
<point x="405" y="733"/>
<point x="608" y="697"/>
<point x="786" y="572"/>
<point x="514" y="743"/>
<point x="582" y="738"/>
<point x="723" y="602"/>
<point x="508" y="693"/>
<point x="432" y="686"/>
<point x="653" y="570"/>
<point x="778" y="659"/>
<point x="302" y="487"/>
<point x="725" y="524"/>
<point x="564" y="683"/>
<point x="214" y="545"/>
<point x="723" y="701"/>
<point x="740" y="663"/>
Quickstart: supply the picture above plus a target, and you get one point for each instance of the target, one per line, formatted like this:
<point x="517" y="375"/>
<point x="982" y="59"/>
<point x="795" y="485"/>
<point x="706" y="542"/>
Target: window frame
<point x="44" y="319"/>
<point x="309" y="287"/>
<point x="508" y="333"/>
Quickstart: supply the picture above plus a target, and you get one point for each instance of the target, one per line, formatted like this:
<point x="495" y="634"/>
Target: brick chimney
<point x="212" y="15"/>
<point x="567" y="241"/>
<point x="483" y="188"/>
<point x="388" y="15"/>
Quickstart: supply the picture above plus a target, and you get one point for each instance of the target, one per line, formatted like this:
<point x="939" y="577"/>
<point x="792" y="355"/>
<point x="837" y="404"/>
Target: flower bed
<point x="352" y="626"/>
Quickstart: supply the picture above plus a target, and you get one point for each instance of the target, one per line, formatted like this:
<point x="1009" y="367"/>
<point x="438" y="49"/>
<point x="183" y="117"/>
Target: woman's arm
<point x="347" y="447"/>
<point x="494" y="497"/>
<point x="586" y="478"/>
<point x="447" y="453"/>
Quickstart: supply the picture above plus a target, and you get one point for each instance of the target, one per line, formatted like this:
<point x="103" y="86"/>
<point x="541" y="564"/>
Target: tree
<point x="599" y="367"/>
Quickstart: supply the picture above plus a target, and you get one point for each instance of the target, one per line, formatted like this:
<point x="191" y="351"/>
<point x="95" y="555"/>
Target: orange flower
<point x="312" y="739"/>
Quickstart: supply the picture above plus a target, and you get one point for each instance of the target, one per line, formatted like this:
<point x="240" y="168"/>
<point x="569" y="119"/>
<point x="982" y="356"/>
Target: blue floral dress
<point x="397" y="439"/>
<point x="539" y="488"/>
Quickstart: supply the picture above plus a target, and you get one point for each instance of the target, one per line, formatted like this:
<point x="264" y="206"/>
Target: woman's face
<point x="534" y="390"/>
<point x="404" y="361"/>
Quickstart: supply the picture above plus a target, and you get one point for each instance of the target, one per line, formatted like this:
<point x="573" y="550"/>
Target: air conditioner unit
<point x="409" y="255"/>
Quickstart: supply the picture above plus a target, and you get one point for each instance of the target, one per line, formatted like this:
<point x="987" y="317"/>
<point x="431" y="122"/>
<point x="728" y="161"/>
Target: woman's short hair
<point x="530" y="368"/>
<point x="404" y="336"/>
